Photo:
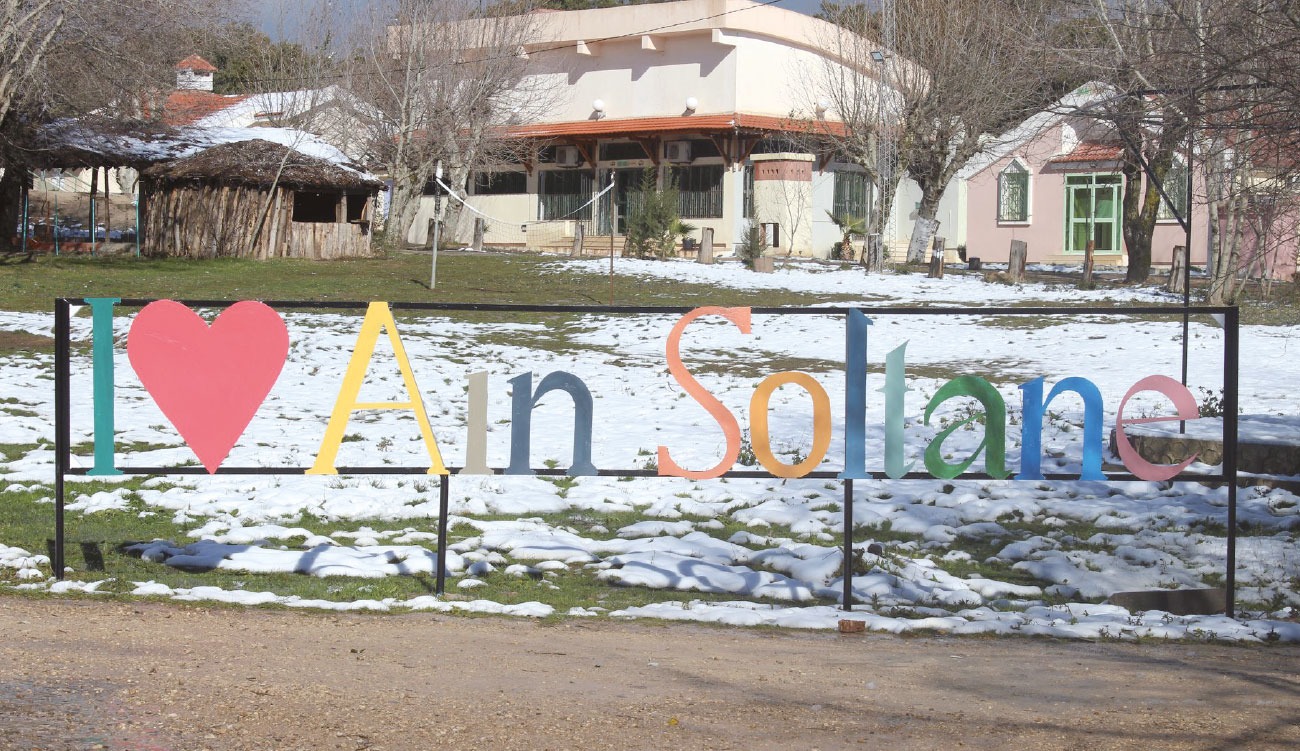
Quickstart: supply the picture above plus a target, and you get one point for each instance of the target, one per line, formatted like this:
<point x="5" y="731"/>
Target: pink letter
<point x="1187" y="410"/>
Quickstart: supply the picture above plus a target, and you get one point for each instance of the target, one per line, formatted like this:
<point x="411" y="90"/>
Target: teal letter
<point x="1031" y="430"/>
<point x="101" y="309"/>
<point x="855" y="397"/>
<point x="895" y="388"/>
<point x="994" y="444"/>
<point x="521" y="421"/>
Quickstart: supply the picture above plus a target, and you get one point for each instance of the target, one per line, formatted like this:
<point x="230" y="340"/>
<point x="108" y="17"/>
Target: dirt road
<point x="79" y="674"/>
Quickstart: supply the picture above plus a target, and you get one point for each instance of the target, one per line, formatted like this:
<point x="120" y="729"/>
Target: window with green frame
<point x="1013" y="193"/>
<point x="1175" y="185"/>
<point x="852" y="195"/>
<point x="562" y="193"/>
<point x="699" y="191"/>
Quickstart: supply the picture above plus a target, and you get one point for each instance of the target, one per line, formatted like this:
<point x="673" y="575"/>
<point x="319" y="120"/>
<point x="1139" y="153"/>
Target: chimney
<point x="194" y="74"/>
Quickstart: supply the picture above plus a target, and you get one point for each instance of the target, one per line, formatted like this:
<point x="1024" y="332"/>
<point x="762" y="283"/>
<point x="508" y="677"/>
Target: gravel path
<point x="84" y="674"/>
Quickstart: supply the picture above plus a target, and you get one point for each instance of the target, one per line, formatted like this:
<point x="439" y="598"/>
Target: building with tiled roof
<point x="1054" y="183"/>
<point x="704" y="92"/>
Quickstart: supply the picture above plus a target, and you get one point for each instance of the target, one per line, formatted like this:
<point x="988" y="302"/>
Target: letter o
<point x="758" y="406"/>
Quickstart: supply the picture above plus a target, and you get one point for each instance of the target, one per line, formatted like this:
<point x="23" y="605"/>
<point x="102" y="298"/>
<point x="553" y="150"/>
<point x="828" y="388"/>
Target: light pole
<point x="437" y="222"/>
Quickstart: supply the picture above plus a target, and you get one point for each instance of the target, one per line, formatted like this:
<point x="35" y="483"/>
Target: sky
<point x="772" y="546"/>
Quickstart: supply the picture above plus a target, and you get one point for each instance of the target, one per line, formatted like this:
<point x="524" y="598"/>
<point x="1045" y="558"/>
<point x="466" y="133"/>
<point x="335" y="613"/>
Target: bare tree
<point x="444" y="80"/>
<point x="958" y="71"/>
<point x="1248" y="54"/>
<point x="850" y="87"/>
<point x="63" y="58"/>
<point x="980" y="66"/>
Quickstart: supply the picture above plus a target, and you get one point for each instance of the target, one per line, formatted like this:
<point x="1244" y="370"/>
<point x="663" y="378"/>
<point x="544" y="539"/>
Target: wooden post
<point x="1177" y="270"/>
<point x="579" y="233"/>
<point x="1086" y="281"/>
<point x="936" y="259"/>
<point x="94" y="197"/>
<point x="108" y="208"/>
<point x="1016" y="266"/>
<point x="706" y="246"/>
<point x="480" y="226"/>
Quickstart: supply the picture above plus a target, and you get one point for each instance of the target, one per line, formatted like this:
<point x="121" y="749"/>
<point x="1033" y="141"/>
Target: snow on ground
<point x="1003" y="556"/>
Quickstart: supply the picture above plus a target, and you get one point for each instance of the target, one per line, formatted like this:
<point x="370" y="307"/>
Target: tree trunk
<point x="873" y="255"/>
<point x="1136" y="241"/>
<point x="922" y="233"/>
<point x="11" y="194"/>
<point x="1224" y="284"/>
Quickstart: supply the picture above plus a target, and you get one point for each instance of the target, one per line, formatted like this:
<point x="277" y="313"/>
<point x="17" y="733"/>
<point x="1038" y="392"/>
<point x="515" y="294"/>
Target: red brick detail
<point x="783" y="170"/>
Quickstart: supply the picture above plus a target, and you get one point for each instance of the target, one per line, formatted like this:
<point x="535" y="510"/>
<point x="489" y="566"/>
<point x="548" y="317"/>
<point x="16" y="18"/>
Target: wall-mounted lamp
<point x="599" y="106"/>
<point x="822" y="106"/>
<point x="692" y="104"/>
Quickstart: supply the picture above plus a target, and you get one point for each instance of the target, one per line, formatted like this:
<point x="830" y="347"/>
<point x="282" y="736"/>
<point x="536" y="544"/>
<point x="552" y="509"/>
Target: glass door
<point x="625" y="195"/>
<point x="1092" y="213"/>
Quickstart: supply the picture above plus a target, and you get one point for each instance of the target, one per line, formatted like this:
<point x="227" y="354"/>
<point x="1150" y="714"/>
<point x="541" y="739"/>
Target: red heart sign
<point x="208" y="380"/>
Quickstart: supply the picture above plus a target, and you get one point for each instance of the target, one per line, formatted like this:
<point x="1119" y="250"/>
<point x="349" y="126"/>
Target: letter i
<point x="476" y="427"/>
<point x="101" y="309"/>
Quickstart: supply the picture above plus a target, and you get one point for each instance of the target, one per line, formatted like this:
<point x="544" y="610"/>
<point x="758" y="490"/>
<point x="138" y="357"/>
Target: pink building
<point x="1054" y="182"/>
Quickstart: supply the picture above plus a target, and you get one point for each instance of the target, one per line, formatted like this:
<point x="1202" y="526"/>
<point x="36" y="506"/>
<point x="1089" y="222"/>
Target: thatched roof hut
<point x="257" y="199"/>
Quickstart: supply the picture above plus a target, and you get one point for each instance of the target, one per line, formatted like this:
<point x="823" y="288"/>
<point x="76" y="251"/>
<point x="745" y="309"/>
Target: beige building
<point x="718" y="96"/>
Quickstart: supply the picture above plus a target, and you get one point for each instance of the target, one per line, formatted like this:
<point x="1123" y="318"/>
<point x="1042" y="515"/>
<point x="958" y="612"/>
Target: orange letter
<point x="821" y="424"/>
<point x="723" y="416"/>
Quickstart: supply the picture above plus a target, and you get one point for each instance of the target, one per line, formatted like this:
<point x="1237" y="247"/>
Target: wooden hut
<point x="256" y="199"/>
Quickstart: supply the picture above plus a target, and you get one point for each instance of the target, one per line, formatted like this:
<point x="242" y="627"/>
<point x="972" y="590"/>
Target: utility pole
<point x="437" y="222"/>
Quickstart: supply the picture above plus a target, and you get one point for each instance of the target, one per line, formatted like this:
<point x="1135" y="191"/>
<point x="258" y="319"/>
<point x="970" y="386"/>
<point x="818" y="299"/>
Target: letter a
<point x="378" y="318"/>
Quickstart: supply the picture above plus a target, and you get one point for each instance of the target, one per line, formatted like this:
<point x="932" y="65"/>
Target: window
<point x="563" y="192"/>
<point x="1013" y="193"/>
<point x="1175" y="185"/>
<point x="699" y="191"/>
<point x="321" y="208"/>
<point x="500" y="183"/>
<point x="614" y="152"/>
<point x="702" y="148"/>
<point x="357" y="206"/>
<point x="851" y="195"/>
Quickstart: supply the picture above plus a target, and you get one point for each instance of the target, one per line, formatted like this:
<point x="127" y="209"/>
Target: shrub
<point x="652" y="223"/>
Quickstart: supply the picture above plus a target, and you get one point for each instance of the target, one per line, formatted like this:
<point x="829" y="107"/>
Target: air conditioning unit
<point x="568" y="156"/>
<point x="677" y="151"/>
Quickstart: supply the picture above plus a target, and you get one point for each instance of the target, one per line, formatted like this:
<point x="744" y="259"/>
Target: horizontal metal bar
<point x="639" y="472"/>
<point x="665" y="310"/>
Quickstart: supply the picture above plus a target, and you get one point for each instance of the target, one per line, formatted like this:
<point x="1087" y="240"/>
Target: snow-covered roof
<point x="84" y="143"/>
<point x="1070" y="104"/>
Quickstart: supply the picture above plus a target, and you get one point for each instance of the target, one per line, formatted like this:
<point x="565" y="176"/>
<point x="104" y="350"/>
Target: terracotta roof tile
<point x="194" y="62"/>
<point x="1090" y="151"/>
<point x="184" y="107"/>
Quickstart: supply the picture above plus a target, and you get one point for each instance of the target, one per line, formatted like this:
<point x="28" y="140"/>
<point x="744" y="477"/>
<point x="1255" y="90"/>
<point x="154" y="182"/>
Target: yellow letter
<point x="378" y="318"/>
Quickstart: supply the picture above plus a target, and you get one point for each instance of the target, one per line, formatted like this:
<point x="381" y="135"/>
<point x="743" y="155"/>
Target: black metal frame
<point x="1228" y="474"/>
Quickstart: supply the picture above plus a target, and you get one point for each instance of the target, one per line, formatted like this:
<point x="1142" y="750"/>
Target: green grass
<point x="96" y="550"/>
<point x="519" y="278"/>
